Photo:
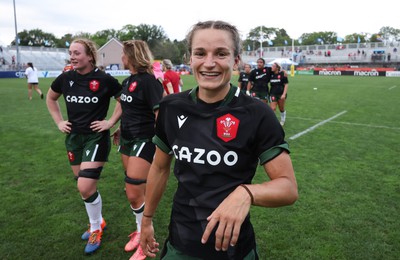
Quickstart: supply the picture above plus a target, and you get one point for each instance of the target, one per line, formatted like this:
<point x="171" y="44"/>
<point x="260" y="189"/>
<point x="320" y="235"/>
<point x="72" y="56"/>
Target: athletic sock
<point x="283" y="116"/>
<point x="138" y="213"/>
<point x="93" y="206"/>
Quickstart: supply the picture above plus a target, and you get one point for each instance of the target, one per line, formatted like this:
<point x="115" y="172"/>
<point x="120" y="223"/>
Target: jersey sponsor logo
<point x="275" y="80"/>
<point x="71" y="83"/>
<point x="94" y="85"/>
<point x="71" y="156"/>
<point x="260" y="76"/>
<point x="227" y="127"/>
<point x="81" y="99"/>
<point x="202" y="156"/>
<point x="132" y="87"/>
<point x="181" y="120"/>
<point x="126" y="98"/>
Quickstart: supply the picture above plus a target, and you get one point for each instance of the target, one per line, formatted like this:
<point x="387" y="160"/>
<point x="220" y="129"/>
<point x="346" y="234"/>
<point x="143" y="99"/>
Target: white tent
<point x="283" y="61"/>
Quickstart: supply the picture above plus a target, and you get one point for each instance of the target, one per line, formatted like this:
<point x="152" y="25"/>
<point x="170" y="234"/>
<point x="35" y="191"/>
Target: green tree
<point x="353" y="38"/>
<point x="151" y="34"/>
<point x="64" y="41"/>
<point x="389" y="34"/>
<point x="261" y="35"/>
<point x="127" y="32"/>
<point x="35" y="37"/>
<point x="102" y="37"/>
<point x="318" y="38"/>
<point x="169" y="50"/>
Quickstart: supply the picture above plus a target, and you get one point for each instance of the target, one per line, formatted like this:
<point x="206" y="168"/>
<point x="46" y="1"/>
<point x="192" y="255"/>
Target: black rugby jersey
<point x="141" y="94"/>
<point x="87" y="97"/>
<point x="216" y="148"/>
<point x="244" y="79"/>
<point x="277" y="83"/>
<point x="260" y="79"/>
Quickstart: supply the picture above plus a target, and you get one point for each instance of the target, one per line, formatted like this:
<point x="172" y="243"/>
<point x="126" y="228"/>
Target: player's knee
<point x="91" y="173"/>
<point x="134" y="181"/>
<point x="92" y="197"/>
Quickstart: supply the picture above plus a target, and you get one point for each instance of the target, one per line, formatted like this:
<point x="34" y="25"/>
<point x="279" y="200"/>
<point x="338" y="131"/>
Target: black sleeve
<point x="56" y="86"/>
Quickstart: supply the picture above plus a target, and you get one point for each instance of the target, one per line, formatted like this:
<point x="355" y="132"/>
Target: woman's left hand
<point x="229" y="216"/>
<point x="99" y="126"/>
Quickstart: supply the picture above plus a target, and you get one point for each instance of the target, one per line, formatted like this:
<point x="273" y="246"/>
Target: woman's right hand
<point x="64" y="127"/>
<point x="116" y="136"/>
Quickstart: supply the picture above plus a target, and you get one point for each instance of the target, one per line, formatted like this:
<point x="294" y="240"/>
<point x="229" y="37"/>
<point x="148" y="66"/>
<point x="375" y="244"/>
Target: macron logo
<point x="71" y="83"/>
<point x="181" y="120"/>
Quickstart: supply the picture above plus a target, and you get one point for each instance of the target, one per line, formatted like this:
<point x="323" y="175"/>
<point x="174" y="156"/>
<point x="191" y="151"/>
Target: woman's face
<point x="212" y="59"/>
<point x="274" y="68"/>
<point x="79" y="59"/>
<point x="260" y="64"/>
<point x="124" y="60"/>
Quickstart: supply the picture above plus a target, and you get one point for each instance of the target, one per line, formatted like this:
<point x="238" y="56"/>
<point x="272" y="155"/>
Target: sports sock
<point x="283" y="116"/>
<point x="138" y="213"/>
<point x="93" y="206"/>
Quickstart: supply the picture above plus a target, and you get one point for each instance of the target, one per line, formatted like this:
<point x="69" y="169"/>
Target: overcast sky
<point x="175" y="17"/>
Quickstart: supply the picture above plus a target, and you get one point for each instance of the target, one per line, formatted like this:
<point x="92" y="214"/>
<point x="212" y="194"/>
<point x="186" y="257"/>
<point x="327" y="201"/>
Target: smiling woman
<point x="87" y="91"/>
<point x="215" y="166"/>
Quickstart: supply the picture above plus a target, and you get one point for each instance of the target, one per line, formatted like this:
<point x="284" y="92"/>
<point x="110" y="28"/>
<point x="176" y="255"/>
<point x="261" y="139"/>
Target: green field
<point x="345" y="143"/>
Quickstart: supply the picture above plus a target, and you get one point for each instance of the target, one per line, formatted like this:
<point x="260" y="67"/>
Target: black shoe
<point x="41" y="96"/>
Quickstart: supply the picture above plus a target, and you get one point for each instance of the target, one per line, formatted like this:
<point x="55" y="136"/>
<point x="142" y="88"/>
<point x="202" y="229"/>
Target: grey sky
<point x="175" y="17"/>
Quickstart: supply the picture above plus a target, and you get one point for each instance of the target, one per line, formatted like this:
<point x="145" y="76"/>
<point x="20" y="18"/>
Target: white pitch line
<point x="317" y="125"/>
<point x="347" y="123"/>
<point x="392" y="87"/>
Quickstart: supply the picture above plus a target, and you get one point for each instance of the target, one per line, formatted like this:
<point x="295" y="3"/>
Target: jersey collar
<point x="233" y="92"/>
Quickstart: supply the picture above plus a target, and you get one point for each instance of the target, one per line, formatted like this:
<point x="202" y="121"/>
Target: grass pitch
<point x="345" y="142"/>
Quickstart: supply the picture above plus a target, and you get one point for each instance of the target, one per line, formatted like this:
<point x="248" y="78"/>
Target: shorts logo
<point x="71" y="156"/>
<point x="94" y="85"/>
<point x="227" y="127"/>
<point x="133" y="86"/>
<point x="272" y="98"/>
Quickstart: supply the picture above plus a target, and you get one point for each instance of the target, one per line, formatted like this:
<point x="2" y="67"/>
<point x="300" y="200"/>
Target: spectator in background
<point x="172" y="81"/>
<point x="157" y="71"/>
<point x="68" y="66"/>
<point x="33" y="80"/>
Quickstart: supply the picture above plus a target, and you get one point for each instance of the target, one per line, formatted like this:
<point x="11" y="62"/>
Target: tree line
<point x="163" y="47"/>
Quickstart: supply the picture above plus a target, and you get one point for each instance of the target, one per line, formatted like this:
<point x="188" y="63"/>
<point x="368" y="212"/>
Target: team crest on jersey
<point x="227" y="127"/>
<point x="133" y="86"/>
<point x="71" y="156"/>
<point x="94" y="85"/>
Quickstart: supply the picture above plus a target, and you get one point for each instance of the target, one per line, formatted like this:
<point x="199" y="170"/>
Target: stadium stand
<point x="376" y="54"/>
<point x="42" y="57"/>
